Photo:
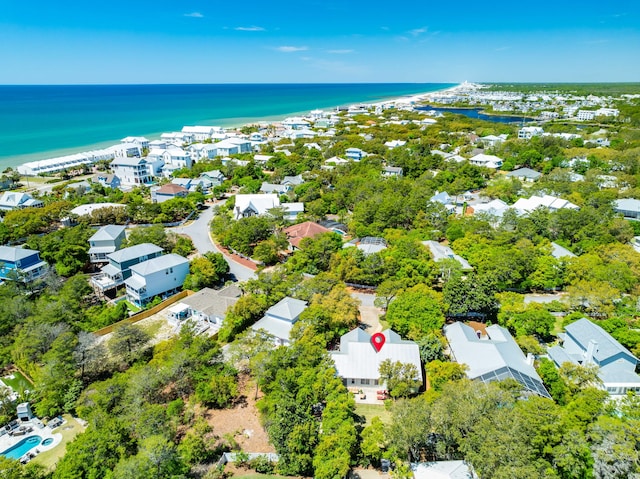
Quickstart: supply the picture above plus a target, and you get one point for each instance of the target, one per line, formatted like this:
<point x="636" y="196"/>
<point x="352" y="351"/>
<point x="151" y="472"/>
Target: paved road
<point x="369" y="314"/>
<point x="198" y="231"/>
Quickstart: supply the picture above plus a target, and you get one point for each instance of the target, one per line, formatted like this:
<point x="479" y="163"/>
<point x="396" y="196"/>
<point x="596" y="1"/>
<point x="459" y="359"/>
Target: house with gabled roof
<point x="119" y="266"/>
<point x="106" y="240"/>
<point x="14" y="200"/>
<point x="524" y="174"/>
<point x="584" y="342"/>
<point x="493" y="357"/>
<point x="21" y="264"/>
<point x="214" y="176"/>
<point x="254" y="205"/>
<point x="440" y="252"/>
<point x="280" y="318"/>
<point x="357" y="362"/>
<point x="207" y="305"/>
<point x="167" y="192"/>
<point x="161" y="276"/>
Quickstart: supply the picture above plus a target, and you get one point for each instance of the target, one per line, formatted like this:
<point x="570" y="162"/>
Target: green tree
<point x="128" y="342"/>
<point x="416" y="312"/>
<point x="373" y="441"/>
<point x="441" y="372"/>
<point x="399" y="377"/>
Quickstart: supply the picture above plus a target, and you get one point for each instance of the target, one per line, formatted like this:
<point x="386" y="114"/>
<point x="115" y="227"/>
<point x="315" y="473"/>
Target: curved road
<point x="198" y="231"/>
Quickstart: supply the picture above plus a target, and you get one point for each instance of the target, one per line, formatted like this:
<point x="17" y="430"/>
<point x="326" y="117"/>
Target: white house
<point x="161" y="276"/>
<point x="68" y="162"/>
<point x="119" y="265"/>
<point x="14" y="200"/>
<point x="203" y="150"/>
<point x="528" y="132"/>
<point x="395" y="143"/>
<point x="295" y="123"/>
<point x="488" y="161"/>
<point x="141" y="141"/>
<point x="232" y="146"/>
<point x="587" y="343"/>
<point x="494" y="357"/>
<point x="585" y="115"/>
<point x="524" y="174"/>
<point x="207" y="305"/>
<point x="491" y="141"/>
<point x="254" y="205"/>
<point x="280" y="318"/>
<point x="106" y="240"/>
<point x="133" y="171"/>
<point x="215" y="177"/>
<point x="441" y="252"/>
<point x="357" y="362"/>
<point x="201" y="133"/>
<point x="527" y="205"/>
<point x="178" y="137"/>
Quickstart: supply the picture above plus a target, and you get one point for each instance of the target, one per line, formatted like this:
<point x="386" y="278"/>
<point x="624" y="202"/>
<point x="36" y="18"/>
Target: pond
<point x="475" y="113"/>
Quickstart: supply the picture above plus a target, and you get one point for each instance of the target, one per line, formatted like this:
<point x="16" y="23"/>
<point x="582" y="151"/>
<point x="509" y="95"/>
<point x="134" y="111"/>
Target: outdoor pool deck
<point x="45" y="434"/>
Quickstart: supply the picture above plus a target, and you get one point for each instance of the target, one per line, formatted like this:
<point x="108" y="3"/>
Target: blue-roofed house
<point x="493" y="357"/>
<point x="118" y="269"/>
<point x="106" y="240"/>
<point x="161" y="276"/>
<point x="21" y="264"/>
<point x="279" y="319"/>
<point x="587" y="343"/>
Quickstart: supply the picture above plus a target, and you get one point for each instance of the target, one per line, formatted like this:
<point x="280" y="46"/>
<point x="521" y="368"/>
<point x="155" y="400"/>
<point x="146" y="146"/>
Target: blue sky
<point x="211" y="41"/>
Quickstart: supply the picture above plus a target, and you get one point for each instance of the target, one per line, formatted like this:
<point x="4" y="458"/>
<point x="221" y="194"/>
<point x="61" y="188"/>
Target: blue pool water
<point x="24" y="446"/>
<point x="47" y="441"/>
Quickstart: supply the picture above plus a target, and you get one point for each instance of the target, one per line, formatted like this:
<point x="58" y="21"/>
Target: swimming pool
<point x="24" y="446"/>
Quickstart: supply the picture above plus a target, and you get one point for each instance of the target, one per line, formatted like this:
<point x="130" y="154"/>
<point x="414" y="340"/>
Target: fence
<point x="144" y="314"/>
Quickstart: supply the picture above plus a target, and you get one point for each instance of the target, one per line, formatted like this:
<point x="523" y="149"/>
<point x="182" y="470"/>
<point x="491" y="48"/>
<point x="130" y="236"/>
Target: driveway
<point x="198" y="231"/>
<point x="369" y="314"/>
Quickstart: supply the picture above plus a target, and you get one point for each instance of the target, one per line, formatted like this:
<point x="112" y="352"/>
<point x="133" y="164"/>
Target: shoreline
<point x="14" y="161"/>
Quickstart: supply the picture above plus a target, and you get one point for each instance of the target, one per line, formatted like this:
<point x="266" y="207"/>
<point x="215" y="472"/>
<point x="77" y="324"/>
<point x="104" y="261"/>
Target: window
<point x="364" y="381"/>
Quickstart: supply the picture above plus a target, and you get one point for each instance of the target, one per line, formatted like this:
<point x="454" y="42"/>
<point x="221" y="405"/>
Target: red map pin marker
<point x="377" y="340"/>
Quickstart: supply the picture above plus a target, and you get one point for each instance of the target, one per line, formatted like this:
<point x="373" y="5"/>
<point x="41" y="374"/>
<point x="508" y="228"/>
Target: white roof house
<point x="528" y="132"/>
<point x="559" y="252"/>
<point x="254" y="205"/>
<point x="440" y="252"/>
<point x="87" y="209"/>
<point x="488" y="161"/>
<point x="14" y="200"/>
<point x="527" y="205"/>
<point x="629" y="207"/>
<point x="494" y="357"/>
<point x="358" y="363"/>
<point x="443" y="470"/>
<point x="587" y="343"/>
<point x="280" y="318"/>
<point x="494" y="208"/>
<point x="395" y="143"/>
<point x="524" y="174"/>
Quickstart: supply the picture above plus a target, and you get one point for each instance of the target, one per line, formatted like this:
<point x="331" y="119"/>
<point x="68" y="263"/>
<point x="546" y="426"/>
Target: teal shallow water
<point x="38" y="122"/>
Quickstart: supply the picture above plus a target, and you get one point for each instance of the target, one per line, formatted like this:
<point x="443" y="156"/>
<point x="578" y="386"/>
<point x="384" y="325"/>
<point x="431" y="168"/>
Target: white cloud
<point x="252" y="28"/>
<point x="340" y="52"/>
<point x="418" y="31"/>
<point x="290" y="49"/>
<point x="194" y="15"/>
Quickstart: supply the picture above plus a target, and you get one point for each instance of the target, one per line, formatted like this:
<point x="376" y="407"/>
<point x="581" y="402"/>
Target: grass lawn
<point x="18" y="383"/>
<point x="557" y="326"/>
<point x="369" y="411"/>
<point x="69" y="431"/>
<point x="131" y="306"/>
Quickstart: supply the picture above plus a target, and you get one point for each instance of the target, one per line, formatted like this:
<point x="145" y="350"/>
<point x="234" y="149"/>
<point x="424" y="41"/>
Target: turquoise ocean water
<point x="39" y="122"/>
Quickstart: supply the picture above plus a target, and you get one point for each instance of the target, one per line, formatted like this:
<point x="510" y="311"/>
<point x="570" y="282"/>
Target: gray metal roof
<point x="524" y="173"/>
<point x="357" y="357"/>
<point x="493" y="358"/>
<point x="12" y="254"/>
<point x="158" y="264"/>
<point x="627" y="204"/>
<point x="132" y="252"/>
<point x="441" y="252"/>
<point x="287" y="308"/>
<point x="109" y="232"/>
<point x="558" y="251"/>
<point x="275" y="327"/>
<point x="583" y="331"/>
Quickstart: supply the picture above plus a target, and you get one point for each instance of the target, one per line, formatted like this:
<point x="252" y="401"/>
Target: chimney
<point x="592" y="348"/>
<point x="530" y="359"/>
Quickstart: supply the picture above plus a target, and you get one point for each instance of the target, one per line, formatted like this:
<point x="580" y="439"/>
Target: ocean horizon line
<point x="47" y="121"/>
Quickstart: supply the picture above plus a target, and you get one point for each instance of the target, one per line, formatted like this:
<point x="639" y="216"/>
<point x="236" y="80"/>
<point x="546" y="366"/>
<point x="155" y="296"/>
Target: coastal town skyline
<point x="324" y="42"/>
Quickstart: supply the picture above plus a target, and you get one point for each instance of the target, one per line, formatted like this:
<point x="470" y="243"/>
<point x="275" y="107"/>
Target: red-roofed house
<point x="308" y="229"/>
<point x="167" y="192"/>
